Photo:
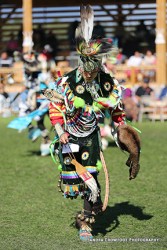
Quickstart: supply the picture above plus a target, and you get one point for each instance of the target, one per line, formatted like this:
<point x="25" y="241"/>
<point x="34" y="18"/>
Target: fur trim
<point x="129" y="141"/>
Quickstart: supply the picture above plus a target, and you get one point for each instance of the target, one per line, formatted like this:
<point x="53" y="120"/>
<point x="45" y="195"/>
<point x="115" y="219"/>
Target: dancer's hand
<point x="64" y="138"/>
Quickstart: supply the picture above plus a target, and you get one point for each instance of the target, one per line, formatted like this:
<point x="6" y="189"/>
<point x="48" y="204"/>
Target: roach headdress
<point x="91" y="51"/>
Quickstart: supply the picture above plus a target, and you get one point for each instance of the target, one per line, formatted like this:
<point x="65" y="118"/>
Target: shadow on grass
<point x="111" y="216"/>
<point x="112" y="144"/>
<point x="33" y="152"/>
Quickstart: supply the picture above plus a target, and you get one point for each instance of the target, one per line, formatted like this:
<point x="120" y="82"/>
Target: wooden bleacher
<point x="17" y="74"/>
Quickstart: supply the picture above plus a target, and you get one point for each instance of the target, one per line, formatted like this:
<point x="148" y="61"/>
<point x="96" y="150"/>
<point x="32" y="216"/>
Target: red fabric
<point x="118" y="116"/>
<point x="55" y="115"/>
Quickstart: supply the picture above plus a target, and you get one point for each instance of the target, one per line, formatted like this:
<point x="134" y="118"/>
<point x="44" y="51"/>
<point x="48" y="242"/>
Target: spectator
<point x="4" y="101"/>
<point x="120" y="34"/>
<point x="144" y="90"/>
<point x="142" y="33"/>
<point x="129" y="44"/>
<point x="38" y="38"/>
<point x="51" y="40"/>
<point x="5" y="60"/>
<point x="63" y="67"/>
<point x="110" y="65"/>
<point x="121" y="58"/>
<point x="148" y="60"/>
<point x="129" y="104"/>
<point x="12" y="44"/>
<point x="98" y="31"/>
<point x="40" y="31"/>
<point x="152" y="36"/>
<point x="20" y="37"/>
<point x="134" y="61"/>
<point x="17" y="56"/>
<point x="163" y="93"/>
<point x="2" y="91"/>
<point x="46" y="59"/>
<point x="71" y="34"/>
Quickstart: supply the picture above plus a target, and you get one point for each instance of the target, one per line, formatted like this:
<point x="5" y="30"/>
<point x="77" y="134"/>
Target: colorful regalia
<point x="77" y="101"/>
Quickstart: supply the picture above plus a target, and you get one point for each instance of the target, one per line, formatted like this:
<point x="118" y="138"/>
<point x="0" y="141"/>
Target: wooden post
<point x="27" y="25"/>
<point x="133" y="75"/>
<point x="161" y="48"/>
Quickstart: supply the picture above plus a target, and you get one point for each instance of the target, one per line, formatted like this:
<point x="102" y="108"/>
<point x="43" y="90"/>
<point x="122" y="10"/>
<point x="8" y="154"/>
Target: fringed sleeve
<point x="56" y="113"/>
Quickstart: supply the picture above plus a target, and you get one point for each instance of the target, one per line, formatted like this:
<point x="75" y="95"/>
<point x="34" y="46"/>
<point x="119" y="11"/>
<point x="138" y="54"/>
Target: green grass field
<point x="35" y="216"/>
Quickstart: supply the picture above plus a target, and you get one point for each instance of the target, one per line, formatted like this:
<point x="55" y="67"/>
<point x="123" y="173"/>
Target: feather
<point x="87" y="17"/>
<point x="87" y="47"/>
<point x="78" y="32"/>
<point x="83" y="18"/>
<point x="90" y="18"/>
<point x="88" y="179"/>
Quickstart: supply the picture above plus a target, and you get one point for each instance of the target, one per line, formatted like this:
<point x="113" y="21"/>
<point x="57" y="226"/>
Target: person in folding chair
<point x="77" y="101"/>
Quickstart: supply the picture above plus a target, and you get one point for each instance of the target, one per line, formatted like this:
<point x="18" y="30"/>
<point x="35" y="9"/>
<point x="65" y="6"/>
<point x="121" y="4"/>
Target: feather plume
<point x="90" y="18"/>
<point x="87" y="17"/>
<point x="91" y="49"/>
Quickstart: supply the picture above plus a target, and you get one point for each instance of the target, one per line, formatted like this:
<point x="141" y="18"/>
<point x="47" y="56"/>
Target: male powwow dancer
<point x="76" y="104"/>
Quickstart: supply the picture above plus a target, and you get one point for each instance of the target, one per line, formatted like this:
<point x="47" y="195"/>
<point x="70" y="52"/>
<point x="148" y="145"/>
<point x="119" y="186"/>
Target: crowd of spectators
<point x="129" y="43"/>
<point x="141" y="38"/>
<point x="46" y="46"/>
<point x="40" y="40"/>
<point x="144" y="93"/>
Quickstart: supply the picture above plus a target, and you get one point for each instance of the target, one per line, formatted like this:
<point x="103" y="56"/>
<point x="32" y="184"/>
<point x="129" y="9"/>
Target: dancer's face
<point x="89" y="76"/>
